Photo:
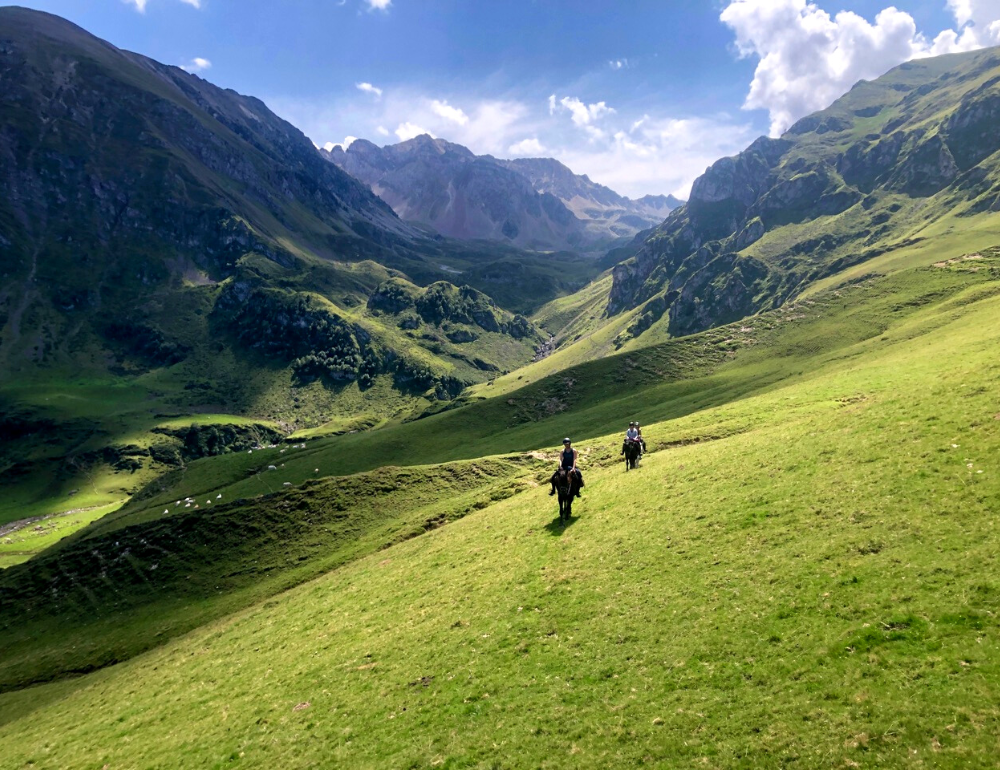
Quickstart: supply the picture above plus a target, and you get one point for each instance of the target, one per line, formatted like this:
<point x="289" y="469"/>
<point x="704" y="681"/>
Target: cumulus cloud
<point x="368" y="88"/>
<point x="348" y="141"/>
<point x="633" y="153"/>
<point x="446" y="111"/>
<point x="197" y="64"/>
<point x="527" y="148"/>
<point x="978" y="24"/>
<point x="407" y="130"/>
<point x="378" y="5"/>
<point x="658" y="154"/>
<point x="807" y="58"/>
<point x="582" y="114"/>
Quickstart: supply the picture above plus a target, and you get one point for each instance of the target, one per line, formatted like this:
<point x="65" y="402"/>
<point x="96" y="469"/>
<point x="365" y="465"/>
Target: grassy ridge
<point x="814" y="586"/>
<point x="106" y="599"/>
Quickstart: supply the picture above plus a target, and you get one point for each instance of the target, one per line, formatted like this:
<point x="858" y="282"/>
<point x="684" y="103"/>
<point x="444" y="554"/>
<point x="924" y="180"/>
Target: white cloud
<point x="633" y="153"/>
<point x="446" y="111"/>
<point x="582" y="114"/>
<point x="408" y="130"/>
<point x="378" y="5"/>
<point x="197" y="64"/>
<point x="368" y="88"/>
<point x="659" y="155"/>
<point x="808" y="58"/>
<point x="527" y="148"/>
<point x="348" y="141"/>
<point x="978" y="24"/>
<point x="618" y="64"/>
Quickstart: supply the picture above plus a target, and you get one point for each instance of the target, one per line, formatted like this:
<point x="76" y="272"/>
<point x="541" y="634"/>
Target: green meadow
<point x="801" y="573"/>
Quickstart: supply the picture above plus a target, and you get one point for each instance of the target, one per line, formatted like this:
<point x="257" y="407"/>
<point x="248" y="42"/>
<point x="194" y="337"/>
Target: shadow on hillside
<point x="556" y="528"/>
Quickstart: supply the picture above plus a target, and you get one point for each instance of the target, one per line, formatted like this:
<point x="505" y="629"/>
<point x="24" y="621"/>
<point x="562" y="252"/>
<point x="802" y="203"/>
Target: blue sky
<point x="640" y="95"/>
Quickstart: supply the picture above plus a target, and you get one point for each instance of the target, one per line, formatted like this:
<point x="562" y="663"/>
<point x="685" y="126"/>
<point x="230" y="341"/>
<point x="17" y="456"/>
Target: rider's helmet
<point x="566" y="441"/>
<point x="632" y="424"/>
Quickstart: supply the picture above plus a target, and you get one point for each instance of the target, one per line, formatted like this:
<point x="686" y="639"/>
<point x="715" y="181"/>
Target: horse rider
<point x="567" y="462"/>
<point x="632" y="434"/>
<point x="642" y="441"/>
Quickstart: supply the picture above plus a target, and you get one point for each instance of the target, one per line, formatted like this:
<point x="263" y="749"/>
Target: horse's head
<point x="563" y="480"/>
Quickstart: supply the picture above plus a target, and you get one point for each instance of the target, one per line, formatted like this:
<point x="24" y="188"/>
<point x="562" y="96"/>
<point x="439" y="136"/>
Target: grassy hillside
<point x="665" y="381"/>
<point x="802" y="573"/>
<point x="706" y="387"/>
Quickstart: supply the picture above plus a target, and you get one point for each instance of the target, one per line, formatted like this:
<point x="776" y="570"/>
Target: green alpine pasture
<point x="803" y="573"/>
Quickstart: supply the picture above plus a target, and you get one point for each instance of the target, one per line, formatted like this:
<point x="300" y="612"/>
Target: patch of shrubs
<point x="167" y="454"/>
<point x="293" y="329"/>
<point x="443" y="302"/>
<point x="211" y="440"/>
<point x="317" y="344"/>
<point x="144" y="343"/>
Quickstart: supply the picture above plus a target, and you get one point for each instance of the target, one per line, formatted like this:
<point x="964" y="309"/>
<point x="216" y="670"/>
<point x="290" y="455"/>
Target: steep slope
<point x="534" y="203"/>
<point x="894" y="161"/>
<point x="802" y="574"/>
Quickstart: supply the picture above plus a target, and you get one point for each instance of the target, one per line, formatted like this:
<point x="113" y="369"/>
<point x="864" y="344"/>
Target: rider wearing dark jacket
<point x="567" y="462"/>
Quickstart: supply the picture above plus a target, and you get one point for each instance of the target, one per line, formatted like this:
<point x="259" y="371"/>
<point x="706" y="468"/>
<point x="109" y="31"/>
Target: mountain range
<point x="880" y="168"/>
<point x="146" y="214"/>
<point x="535" y="203"/>
<point x="275" y="457"/>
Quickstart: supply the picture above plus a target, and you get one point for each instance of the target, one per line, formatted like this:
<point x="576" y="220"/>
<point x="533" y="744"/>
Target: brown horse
<point x="565" y="483"/>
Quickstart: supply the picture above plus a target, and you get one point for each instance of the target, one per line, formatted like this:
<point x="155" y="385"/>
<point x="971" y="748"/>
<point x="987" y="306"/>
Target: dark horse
<point x="565" y="483"/>
<point x="631" y="450"/>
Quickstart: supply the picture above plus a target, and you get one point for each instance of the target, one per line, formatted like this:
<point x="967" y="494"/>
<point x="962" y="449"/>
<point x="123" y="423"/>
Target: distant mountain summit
<point x="460" y="195"/>
<point x="535" y="203"/>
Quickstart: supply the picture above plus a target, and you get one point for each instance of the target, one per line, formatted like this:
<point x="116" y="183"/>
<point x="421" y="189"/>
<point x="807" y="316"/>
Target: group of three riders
<point x="568" y="456"/>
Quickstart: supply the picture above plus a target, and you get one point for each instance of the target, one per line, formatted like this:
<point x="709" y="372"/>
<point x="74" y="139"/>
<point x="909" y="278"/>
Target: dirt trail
<point x="15" y="526"/>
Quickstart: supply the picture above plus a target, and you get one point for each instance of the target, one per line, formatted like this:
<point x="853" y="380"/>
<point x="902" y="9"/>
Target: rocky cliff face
<point x="921" y="138"/>
<point x="605" y="212"/>
<point x="109" y="158"/>
<point x="535" y="203"/>
<point x="444" y="185"/>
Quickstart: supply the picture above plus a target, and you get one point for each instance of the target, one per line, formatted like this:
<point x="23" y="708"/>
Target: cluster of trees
<point x="141" y="342"/>
<point x="210" y="440"/>
<point x="318" y="344"/>
<point x="341" y="364"/>
<point x="292" y="329"/>
<point x="443" y="302"/>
